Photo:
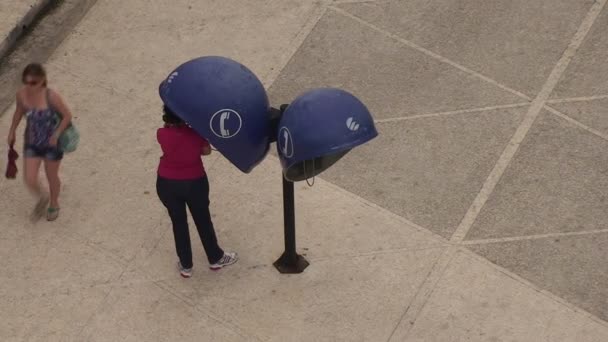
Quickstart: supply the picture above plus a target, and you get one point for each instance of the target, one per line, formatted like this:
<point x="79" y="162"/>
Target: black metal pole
<point x="290" y="261"/>
<point x="289" y="219"/>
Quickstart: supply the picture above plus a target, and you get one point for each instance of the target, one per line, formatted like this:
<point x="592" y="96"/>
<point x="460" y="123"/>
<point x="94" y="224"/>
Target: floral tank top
<point x="41" y="124"/>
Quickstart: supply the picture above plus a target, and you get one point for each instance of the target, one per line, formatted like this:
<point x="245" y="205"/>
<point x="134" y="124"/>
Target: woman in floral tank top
<point x="43" y="127"/>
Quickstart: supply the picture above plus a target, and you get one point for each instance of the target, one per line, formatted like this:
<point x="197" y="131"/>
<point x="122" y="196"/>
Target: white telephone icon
<point x="225" y="116"/>
<point x="286" y="143"/>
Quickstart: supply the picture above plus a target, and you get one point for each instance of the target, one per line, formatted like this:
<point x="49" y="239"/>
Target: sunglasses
<point x="32" y="83"/>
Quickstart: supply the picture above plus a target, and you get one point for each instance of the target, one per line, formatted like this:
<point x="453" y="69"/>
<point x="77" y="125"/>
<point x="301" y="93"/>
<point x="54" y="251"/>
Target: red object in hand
<point x="11" y="168"/>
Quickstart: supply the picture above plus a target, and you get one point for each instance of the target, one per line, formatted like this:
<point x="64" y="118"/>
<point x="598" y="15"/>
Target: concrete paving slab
<point x="174" y="32"/>
<point x="433" y="177"/>
<point x="593" y="114"/>
<point x="54" y="264"/>
<point x="475" y="302"/>
<point x="146" y="312"/>
<point x="338" y="299"/>
<point x="390" y="78"/>
<point x="59" y="316"/>
<point x="516" y="43"/>
<point x="586" y="74"/>
<point x="556" y="183"/>
<point x="572" y="267"/>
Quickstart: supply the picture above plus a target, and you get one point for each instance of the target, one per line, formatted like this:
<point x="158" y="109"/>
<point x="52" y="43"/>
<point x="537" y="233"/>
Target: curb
<point x="7" y="44"/>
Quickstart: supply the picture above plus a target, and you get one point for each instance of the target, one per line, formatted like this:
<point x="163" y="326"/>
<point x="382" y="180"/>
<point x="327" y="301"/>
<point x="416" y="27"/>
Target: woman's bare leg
<point x="52" y="174"/>
<point x="31" y="167"/>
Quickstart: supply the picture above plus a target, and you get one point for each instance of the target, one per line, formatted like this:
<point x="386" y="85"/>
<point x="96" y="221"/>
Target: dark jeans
<point x="175" y="196"/>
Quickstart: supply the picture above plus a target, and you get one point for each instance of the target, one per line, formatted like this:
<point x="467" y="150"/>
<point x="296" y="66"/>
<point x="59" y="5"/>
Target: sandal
<point x="52" y="214"/>
<point x="38" y="211"/>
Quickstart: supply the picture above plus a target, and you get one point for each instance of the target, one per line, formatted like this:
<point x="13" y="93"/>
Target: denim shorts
<point x="47" y="153"/>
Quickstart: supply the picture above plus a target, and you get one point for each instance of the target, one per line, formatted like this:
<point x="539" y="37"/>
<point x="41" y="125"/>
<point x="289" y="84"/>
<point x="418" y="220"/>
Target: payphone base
<point x="288" y="264"/>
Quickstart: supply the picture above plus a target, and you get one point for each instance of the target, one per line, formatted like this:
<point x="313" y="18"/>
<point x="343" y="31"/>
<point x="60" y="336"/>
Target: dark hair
<point x="170" y="118"/>
<point x="35" y="70"/>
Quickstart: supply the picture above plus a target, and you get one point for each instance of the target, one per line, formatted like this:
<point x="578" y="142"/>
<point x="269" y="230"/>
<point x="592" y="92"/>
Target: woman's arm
<point x="58" y="103"/>
<point x="17" y="116"/>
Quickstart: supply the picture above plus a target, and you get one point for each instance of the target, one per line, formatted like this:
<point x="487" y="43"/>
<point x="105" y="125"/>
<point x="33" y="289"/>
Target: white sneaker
<point x="184" y="272"/>
<point x="227" y="260"/>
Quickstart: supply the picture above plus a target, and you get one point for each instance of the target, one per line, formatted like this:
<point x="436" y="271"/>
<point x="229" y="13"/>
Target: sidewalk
<point x="391" y="257"/>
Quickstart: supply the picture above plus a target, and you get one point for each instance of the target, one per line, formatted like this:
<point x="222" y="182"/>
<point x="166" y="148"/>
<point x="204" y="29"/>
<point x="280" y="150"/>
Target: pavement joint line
<point x="450" y="113"/>
<point x="80" y="238"/>
<point x="576" y="123"/>
<point x="378" y="252"/>
<point x="532" y="286"/>
<point x="346" y="2"/>
<point x="100" y="308"/>
<point x="425" y="290"/>
<point x="530" y="117"/>
<point x="149" y="253"/>
<point x="430" y="53"/>
<point x="578" y="99"/>
<point x="531" y="237"/>
<point x="292" y="49"/>
<point x="224" y="323"/>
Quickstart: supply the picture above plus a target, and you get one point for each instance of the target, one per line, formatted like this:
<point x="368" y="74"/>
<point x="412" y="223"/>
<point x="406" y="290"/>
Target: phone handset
<point x="225" y="116"/>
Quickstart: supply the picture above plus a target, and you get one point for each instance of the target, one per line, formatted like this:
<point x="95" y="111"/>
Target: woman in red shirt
<point x="182" y="182"/>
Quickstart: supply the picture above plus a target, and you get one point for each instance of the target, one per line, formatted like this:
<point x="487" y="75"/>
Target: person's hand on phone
<point x="206" y="150"/>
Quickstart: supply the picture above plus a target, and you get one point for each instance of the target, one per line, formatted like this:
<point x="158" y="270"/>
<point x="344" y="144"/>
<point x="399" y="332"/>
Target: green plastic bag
<point x="70" y="137"/>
